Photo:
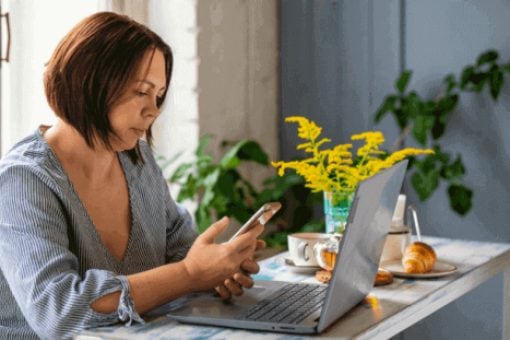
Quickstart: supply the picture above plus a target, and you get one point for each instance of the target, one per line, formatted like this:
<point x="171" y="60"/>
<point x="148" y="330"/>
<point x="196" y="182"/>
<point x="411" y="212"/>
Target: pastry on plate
<point x="418" y="258"/>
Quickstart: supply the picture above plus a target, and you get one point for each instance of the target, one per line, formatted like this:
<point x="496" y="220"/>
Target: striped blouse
<point x="53" y="262"/>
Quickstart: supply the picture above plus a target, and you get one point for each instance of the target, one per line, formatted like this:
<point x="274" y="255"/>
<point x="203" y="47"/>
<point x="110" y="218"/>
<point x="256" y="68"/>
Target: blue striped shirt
<point x="52" y="260"/>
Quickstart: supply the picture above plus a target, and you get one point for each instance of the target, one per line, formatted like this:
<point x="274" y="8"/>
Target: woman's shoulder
<point x="31" y="154"/>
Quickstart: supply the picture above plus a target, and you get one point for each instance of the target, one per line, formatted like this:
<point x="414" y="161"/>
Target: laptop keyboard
<point x="290" y="304"/>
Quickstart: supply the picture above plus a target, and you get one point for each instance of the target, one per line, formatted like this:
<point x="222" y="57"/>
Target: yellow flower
<point x="335" y="169"/>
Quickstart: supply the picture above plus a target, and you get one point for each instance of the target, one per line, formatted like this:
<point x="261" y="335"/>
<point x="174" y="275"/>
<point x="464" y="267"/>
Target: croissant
<point x="418" y="257"/>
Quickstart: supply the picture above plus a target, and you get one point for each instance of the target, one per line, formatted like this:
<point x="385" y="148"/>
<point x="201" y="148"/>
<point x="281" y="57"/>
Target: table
<point x="387" y="310"/>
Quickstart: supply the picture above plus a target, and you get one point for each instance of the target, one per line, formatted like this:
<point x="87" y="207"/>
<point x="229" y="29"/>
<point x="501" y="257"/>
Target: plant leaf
<point x="425" y="183"/>
<point x="448" y="103"/>
<point x="252" y="151"/>
<point x="460" y="198"/>
<point x="467" y="73"/>
<point x="454" y="170"/>
<point x="180" y="172"/>
<point x="164" y="163"/>
<point x="450" y="82"/>
<point x="226" y="183"/>
<point x="422" y="125"/>
<point x="438" y="128"/>
<point x="231" y="160"/>
<point x="403" y="80"/>
<point x="202" y="145"/>
<point x="496" y="82"/>
<point x="203" y="218"/>
<point x="478" y="80"/>
<point x="487" y="57"/>
<point x="387" y="106"/>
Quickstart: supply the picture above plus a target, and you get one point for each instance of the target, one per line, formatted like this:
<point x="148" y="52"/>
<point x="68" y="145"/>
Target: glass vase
<point x="336" y="211"/>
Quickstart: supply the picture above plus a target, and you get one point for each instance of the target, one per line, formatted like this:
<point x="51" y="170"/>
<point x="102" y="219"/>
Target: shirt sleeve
<point x="41" y="271"/>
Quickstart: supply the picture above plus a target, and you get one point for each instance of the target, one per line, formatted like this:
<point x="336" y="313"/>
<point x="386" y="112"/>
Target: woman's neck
<point x="73" y="152"/>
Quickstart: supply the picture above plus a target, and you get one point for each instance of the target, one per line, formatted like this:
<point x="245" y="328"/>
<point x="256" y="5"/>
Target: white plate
<point x="441" y="268"/>
<point x="300" y="269"/>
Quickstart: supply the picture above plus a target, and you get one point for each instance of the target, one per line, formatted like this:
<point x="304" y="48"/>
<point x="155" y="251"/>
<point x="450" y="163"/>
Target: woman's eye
<point x="141" y="94"/>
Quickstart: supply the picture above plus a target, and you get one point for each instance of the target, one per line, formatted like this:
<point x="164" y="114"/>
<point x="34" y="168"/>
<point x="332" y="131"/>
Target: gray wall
<point x="340" y="58"/>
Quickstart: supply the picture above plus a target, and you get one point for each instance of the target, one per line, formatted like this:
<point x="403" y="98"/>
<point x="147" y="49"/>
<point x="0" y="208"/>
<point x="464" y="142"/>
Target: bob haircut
<point x="91" y="68"/>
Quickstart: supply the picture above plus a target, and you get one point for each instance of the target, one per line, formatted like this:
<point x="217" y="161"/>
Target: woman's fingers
<point x="210" y="234"/>
<point x="243" y="280"/>
<point x="223" y="292"/>
<point x="250" y="266"/>
<point x="261" y="244"/>
<point x="247" y="239"/>
<point x="234" y="287"/>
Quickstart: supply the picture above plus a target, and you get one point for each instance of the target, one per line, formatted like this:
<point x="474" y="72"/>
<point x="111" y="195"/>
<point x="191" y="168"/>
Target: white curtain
<point x="36" y="28"/>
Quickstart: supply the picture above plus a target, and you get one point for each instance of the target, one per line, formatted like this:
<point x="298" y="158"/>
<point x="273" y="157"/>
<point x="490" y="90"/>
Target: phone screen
<point x="262" y="215"/>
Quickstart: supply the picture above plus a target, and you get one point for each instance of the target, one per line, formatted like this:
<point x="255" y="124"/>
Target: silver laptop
<point x="311" y="308"/>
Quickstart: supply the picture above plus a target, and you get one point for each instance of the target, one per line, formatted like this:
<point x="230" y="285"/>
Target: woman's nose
<point x="151" y="109"/>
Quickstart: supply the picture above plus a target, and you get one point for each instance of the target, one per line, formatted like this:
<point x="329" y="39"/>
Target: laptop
<point x="278" y="306"/>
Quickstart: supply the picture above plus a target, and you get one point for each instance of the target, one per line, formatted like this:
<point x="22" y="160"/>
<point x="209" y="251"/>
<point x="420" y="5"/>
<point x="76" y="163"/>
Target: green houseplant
<point x="220" y="189"/>
<point x="425" y="121"/>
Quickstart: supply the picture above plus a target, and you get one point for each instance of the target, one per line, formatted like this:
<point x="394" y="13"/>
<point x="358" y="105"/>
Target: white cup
<point x="301" y="247"/>
<point x="396" y="242"/>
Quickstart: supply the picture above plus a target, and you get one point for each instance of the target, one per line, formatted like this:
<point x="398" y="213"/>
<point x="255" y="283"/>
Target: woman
<point x="89" y="235"/>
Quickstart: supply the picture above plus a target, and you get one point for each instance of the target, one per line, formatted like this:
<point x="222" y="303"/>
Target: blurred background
<point x="242" y="66"/>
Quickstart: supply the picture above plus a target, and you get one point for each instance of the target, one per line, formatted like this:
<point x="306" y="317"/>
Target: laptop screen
<point x="362" y="243"/>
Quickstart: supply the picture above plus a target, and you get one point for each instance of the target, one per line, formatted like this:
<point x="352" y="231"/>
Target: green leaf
<point x="412" y="105"/>
<point x="180" y="172"/>
<point x="438" y="128"/>
<point x="448" y="103"/>
<point x="450" y="82"/>
<point x="165" y="163"/>
<point x="439" y="155"/>
<point x="226" y="183"/>
<point x="495" y="82"/>
<point x="453" y="171"/>
<point x="231" y="160"/>
<point x="467" y="73"/>
<point x="387" y="106"/>
<point x="252" y="151"/>
<point x="240" y="211"/>
<point x="478" y="80"/>
<point x="507" y="67"/>
<point x="202" y="145"/>
<point x="188" y="190"/>
<point x="277" y="240"/>
<point x="427" y="164"/>
<point x="211" y="179"/>
<point x="460" y="198"/>
<point x="314" y="227"/>
<point x="487" y="57"/>
<point x="422" y="125"/>
<point x="203" y="218"/>
<point x="403" y="80"/>
<point x="425" y="183"/>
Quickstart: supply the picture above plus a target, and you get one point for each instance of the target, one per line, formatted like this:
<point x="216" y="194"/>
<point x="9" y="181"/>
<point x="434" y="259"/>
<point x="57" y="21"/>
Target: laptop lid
<point x="362" y="243"/>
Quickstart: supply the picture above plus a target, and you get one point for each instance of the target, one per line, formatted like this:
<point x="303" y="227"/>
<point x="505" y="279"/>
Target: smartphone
<point x="263" y="215"/>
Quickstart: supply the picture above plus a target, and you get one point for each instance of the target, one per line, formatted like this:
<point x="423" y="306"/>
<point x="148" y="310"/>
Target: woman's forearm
<point x="150" y="289"/>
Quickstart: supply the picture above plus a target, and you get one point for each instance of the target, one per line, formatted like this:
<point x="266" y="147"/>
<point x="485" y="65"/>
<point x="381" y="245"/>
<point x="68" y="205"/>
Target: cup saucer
<point x="299" y="269"/>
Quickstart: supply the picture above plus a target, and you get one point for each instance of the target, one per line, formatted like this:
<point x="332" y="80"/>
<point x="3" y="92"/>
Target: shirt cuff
<point x="126" y="311"/>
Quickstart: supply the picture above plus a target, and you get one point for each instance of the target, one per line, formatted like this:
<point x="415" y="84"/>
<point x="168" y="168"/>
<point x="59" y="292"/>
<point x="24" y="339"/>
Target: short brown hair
<point x="91" y="67"/>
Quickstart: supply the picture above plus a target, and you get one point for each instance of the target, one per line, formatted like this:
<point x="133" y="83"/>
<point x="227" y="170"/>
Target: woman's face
<point x="137" y="108"/>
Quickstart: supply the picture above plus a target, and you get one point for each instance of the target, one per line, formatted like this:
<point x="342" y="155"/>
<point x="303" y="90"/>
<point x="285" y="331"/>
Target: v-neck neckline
<point x="122" y="158"/>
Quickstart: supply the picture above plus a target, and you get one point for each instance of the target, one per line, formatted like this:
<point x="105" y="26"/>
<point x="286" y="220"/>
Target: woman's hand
<point x="241" y="279"/>
<point x="209" y="264"/>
